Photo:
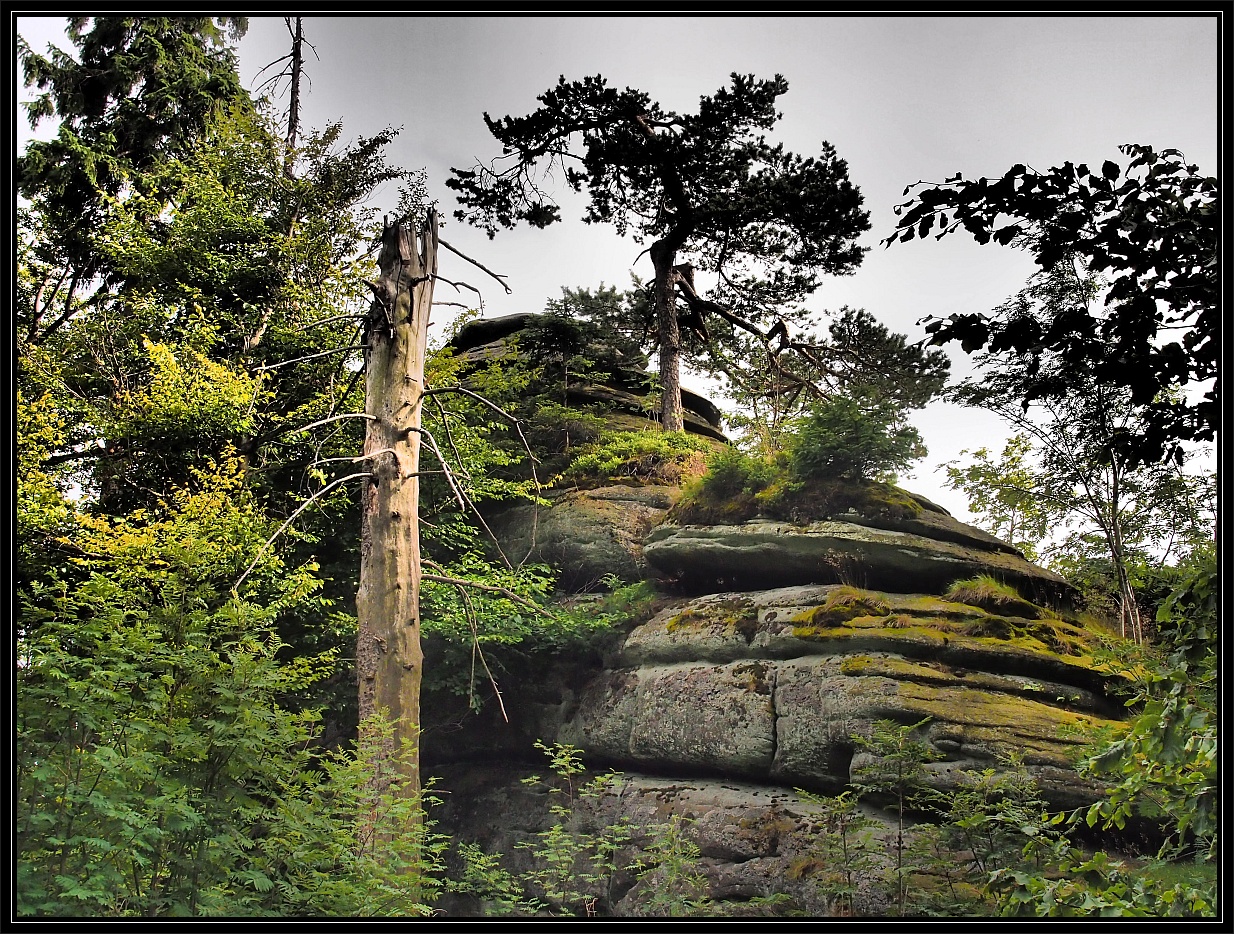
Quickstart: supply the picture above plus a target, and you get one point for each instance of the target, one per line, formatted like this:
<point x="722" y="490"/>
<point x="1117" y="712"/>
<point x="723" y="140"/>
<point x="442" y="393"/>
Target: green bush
<point x="847" y="438"/>
<point x="160" y="769"/>
<point x="574" y="870"/>
<point x="731" y="472"/>
<point x="646" y="456"/>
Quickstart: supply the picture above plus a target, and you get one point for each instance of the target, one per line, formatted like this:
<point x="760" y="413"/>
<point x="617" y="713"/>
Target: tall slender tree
<point x="139" y="89"/>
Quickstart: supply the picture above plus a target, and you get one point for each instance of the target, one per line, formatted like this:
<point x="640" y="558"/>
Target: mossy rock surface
<point x="775" y="683"/>
<point x="789" y="622"/>
<point x="753" y="838"/>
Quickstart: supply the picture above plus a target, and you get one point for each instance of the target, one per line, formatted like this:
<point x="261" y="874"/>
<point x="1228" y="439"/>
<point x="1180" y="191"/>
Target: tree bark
<point x="663" y="257"/>
<point x="389" y="659"/>
<point x="293" y="109"/>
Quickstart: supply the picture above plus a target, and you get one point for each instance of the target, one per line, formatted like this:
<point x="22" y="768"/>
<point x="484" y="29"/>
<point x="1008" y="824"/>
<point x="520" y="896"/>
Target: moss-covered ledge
<point x="840" y="620"/>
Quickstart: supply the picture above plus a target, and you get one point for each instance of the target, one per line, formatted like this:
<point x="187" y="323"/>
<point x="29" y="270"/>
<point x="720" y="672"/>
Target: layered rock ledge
<point x="773" y="685"/>
<point x="763" y="553"/>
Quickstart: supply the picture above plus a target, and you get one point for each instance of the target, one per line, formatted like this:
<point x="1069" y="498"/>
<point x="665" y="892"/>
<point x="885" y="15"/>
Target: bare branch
<point x="312" y="356"/>
<point x="465" y="502"/>
<point x="445" y="426"/>
<point x="469" y="610"/>
<point x="518" y="425"/>
<point x="290" y="519"/>
<point x="69" y="311"/>
<point x="458" y="286"/>
<point x="66" y="456"/>
<point x="318" y="323"/>
<point x="500" y="278"/>
<point x="490" y="588"/>
<point x="335" y="418"/>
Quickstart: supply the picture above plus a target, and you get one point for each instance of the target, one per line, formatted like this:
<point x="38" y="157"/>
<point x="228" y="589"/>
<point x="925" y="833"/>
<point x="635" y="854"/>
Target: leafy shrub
<point x="507" y="620"/>
<point x="847" y="438"/>
<point x="160" y="769"/>
<point x="553" y="428"/>
<point x="728" y="490"/>
<point x="646" y="456"/>
<point x="574" y="869"/>
<point x="731" y="472"/>
<point x="739" y="486"/>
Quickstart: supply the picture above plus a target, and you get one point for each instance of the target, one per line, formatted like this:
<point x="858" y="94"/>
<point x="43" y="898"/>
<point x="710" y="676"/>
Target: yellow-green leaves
<point x="187" y="397"/>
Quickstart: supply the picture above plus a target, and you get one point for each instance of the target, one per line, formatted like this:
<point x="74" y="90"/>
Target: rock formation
<point x="777" y="641"/>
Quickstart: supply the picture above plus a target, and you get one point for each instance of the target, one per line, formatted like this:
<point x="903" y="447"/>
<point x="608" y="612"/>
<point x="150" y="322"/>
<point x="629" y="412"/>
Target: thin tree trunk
<point x="293" y="109"/>
<point x="671" y="414"/>
<point x="389" y="659"/>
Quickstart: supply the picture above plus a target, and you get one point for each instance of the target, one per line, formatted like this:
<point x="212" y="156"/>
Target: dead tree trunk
<point x="293" y="110"/>
<point x="389" y="659"/>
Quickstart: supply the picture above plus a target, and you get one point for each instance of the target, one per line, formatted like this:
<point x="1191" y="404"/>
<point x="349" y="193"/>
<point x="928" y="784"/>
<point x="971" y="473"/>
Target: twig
<point x="500" y="278"/>
<point x="290" y="519"/>
<point x="320" y="321"/>
<point x="490" y="588"/>
<point x="312" y="356"/>
<point x="469" y="610"/>
<point x="464" y="501"/>
<point x="518" y="425"/>
<point x="460" y="285"/>
<point x="335" y="418"/>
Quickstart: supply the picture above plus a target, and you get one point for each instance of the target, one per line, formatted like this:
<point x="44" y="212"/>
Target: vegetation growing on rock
<point x="638" y="457"/>
<point x="739" y="486"/>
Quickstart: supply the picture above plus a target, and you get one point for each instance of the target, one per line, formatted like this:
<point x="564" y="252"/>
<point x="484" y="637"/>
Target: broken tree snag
<point x="672" y="416"/>
<point x="389" y="660"/>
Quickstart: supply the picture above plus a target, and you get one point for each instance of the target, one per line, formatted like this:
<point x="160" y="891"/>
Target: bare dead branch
<point x="290" y="519"/>
<point x="465" y="502"/>
<point x="336" y="418"/>
<point x="500" y="278"/>
<point x="312" y="356"/>
<point x="518" y="425"/>
<point x="445" y="427"/>
<point x="460" y="285"/>
<point x="490" y="588"/>
<point x="469" y="610"/>
<point x="321" y="321"/>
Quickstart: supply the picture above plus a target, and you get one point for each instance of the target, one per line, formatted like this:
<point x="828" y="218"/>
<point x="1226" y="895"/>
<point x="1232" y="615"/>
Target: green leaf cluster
<point x="843" y="437"/>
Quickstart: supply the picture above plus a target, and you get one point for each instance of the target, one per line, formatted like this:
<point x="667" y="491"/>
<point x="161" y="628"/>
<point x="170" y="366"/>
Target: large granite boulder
<point x="787" y="630"/>
<point x="772" y="685"/>
<point x="588" y="535"/>
<point x="754" y="840"/>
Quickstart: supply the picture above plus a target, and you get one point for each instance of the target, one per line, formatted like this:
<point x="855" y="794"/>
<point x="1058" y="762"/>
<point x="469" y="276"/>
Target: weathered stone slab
<point x="762" y="553"/>
<point x="586" y="534"/>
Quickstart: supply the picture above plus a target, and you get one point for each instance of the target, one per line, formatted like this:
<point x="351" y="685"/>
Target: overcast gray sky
<point x="901" y="98"/>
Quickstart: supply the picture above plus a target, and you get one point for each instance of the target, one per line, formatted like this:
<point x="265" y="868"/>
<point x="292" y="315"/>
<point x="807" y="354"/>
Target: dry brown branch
<point x="500" y="278"/>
